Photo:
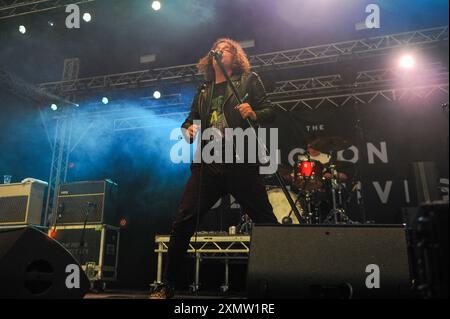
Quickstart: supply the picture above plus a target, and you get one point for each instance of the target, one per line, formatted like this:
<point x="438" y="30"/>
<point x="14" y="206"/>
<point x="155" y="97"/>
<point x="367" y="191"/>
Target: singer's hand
<point x="246" y="111"/>
<point x="192" y="130"/>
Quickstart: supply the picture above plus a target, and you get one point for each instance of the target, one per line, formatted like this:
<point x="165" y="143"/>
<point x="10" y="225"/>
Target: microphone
<point x="216" y="54"/>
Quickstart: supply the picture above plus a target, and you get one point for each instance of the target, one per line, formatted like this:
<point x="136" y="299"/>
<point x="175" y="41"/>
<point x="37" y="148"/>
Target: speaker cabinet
<point x="21" y="203"/>
<point x="32" y="265"/>
<point x="328" y="261"/>
<point x="96" y="199"/>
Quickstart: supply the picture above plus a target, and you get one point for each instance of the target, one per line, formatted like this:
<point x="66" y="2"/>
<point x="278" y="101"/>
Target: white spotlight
<point x="54" y="107"/>
<point x="87" y="17"/>
<point x="22" y="29"/>
<point x="156" y="5"/>
<point x="51" y="23"/>
<point x="407" y="61"/>
<point x="156" y="94"/>
<point x="105" y="100"/>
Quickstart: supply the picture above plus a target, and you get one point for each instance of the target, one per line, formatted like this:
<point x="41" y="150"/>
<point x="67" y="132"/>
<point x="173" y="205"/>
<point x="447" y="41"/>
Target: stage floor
<point x="135" y="294"/>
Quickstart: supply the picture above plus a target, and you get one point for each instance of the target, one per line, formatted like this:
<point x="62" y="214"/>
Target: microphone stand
<point x="81" y="254"/>
<point x="360" y="198"/>
<point x="217" y="56"/>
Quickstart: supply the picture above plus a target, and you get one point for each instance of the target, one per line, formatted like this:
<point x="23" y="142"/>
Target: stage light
<point x="407" y="61"/>
<point x="54" y="107"/>
<point x="105" y="100"/>
<point x="52" y="233"/>
<point x="123" y="222"/>
<point x="22" y="29"/>
<point x="87" y="17"/>
<point x="156" y="5"/>
<point x="51" y="23"/>
<point x="156" y="94"/>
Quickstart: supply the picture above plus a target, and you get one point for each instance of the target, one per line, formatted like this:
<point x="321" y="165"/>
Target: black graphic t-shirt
<point x="217" y="117"/>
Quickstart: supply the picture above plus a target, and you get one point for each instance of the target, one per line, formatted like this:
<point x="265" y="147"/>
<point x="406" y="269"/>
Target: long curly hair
<point x="240" y="60"/>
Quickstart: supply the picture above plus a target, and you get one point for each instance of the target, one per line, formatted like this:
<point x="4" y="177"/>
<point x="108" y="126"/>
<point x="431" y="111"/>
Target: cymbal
<point x="330" y="144"/>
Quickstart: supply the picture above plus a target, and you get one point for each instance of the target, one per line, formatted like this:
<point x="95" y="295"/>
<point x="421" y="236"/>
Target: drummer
<point x="315" y="155"/>
<point x="324" y="159"/>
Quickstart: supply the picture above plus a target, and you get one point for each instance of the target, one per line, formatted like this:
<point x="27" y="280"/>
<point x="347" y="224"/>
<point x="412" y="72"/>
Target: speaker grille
<point x="327" y="261"/>
<point x="73" y="209"/>
<point x="74" y="199"/>
<point x="13" y="209"/>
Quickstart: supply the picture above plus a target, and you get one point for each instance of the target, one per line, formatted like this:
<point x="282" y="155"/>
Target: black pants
<point x="203" y="189"/>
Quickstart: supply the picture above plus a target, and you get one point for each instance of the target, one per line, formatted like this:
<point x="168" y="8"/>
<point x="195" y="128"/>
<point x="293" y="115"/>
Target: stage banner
<point x="386" y="137"/>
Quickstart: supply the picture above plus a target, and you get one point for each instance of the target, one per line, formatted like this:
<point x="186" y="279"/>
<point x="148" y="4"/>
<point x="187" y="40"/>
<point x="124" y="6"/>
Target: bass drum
<point x="280" y="205"/>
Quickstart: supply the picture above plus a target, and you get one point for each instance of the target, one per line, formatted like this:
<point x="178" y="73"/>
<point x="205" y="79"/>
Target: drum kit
<point x="317" y="186"/>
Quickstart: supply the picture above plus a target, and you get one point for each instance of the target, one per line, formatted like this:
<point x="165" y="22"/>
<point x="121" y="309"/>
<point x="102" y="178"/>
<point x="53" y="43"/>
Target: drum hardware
<point x="287" y="220"/>
<point x="307" y="174"/>
<point x="317" y="183"/>
<point x="281" y="207"/>
<point x="312" y="212"/>
<point x="337" y="214"/>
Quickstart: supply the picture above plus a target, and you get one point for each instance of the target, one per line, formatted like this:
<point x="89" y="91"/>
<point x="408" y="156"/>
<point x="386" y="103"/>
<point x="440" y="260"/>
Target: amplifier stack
<point x="21" y="203"/>
<point x="86" y="224"/>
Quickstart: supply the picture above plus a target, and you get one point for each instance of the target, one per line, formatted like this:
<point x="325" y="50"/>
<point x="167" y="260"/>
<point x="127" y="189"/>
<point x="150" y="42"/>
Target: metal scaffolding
<point x="61" y="144"/>
<point x="386" y="77"/>
<point x="302" y="57"/>
<point x="363" y="97"/>
<point x="366" y="78"/>
<point x="58" y="168"/>
<point x="211" y="246"/>
<point x="15" y="8"/>
<point x="391" y="84"/>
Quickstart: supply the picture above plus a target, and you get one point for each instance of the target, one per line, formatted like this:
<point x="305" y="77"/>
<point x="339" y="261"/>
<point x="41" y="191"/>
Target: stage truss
<point x="328" y="53"/>
<point x="15" y="8"/>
